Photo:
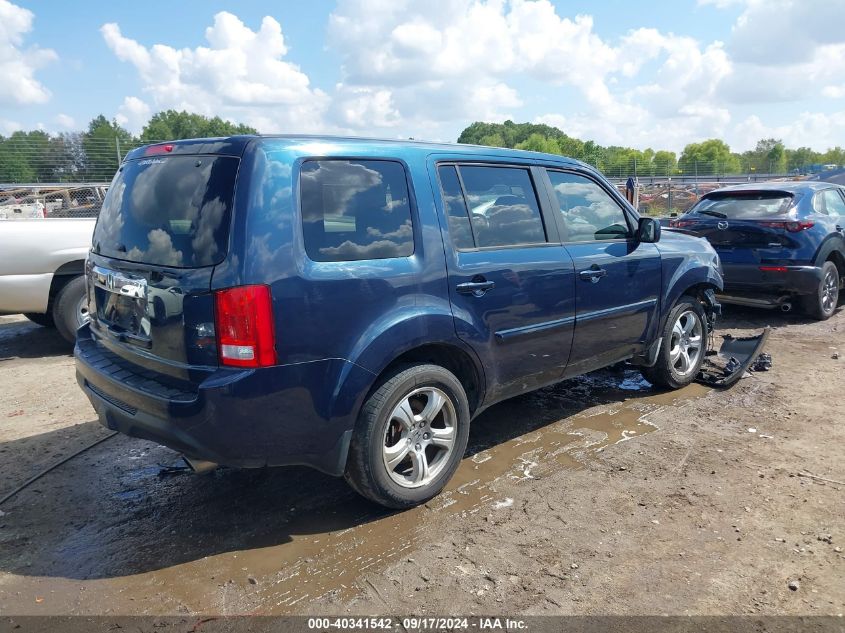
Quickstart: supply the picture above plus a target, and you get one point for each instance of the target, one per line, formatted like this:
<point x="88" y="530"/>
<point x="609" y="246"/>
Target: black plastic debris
<point x="735" y="357"/>
<point x="762" y="363"/>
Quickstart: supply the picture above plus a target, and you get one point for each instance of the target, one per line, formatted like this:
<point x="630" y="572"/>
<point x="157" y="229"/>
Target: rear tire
<point x="822" y="304"/>
<point x="410" y="437"/>
<point x="70" y="309"/>
<point x="44" y="320"/>
<point x="683" y="346"/>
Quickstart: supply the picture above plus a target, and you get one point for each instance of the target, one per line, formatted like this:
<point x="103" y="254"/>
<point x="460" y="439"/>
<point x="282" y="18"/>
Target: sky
<point x="660" y="75"/>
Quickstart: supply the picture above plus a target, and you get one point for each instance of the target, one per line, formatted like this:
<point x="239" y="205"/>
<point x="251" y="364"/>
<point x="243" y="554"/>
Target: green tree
<point x="801" y="159"/>
<point x="171" y="125"/>
<point x="664" y="163"/>
<point x="102" y="144"/>
<point x="539" y="143"/>
<point x="835" y="156"/>
<point x="768" y="157"/>
<point x="712" y="156"/>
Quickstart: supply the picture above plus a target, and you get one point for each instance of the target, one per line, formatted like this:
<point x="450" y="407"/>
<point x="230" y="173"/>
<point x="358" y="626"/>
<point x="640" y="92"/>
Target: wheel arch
<point x="62" y="276"/>
<point x="832" y="250"/>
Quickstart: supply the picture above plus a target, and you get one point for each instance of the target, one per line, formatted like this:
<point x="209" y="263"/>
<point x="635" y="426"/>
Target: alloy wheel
<point x="420" y="437"/>
<point x="687" y="343"/>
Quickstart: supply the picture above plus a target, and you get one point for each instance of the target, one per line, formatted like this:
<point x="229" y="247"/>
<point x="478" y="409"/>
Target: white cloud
<point x="834" y="92"/>
<point x="7" y="127"/>
<point x="133" y="114"/>
<point x="240" y="75"/>
<point x="18" y="85"/>
<point x="427" y="69"/>
<point x="809" y="129"/>
<point x="454" y="61"/>
<point x="65" y="121"/>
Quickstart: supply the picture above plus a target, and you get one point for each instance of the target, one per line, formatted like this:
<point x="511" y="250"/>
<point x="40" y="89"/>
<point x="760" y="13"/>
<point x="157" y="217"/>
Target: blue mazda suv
<point x="782" y="244"/>
<point x="352" y="304"/>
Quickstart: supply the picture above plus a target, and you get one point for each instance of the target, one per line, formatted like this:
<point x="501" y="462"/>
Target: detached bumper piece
<point x="735" y="356"/>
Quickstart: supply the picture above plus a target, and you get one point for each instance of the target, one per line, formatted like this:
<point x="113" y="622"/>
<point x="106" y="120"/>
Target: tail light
<point x="244" y="325"/>
<point x="792" y="226"/>
<point x="773" y="269"/>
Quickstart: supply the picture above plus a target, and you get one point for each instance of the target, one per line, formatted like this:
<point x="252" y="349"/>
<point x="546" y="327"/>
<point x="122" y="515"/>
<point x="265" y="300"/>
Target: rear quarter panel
<point x="365" y="313"/>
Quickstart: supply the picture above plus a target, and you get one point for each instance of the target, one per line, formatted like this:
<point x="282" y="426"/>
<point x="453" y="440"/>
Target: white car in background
<point x="41" y="271"/>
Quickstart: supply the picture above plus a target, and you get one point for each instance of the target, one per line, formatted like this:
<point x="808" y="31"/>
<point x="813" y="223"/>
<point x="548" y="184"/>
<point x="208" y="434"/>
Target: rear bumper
<point x="747" y="281"/>
<point x="275" y="416"/>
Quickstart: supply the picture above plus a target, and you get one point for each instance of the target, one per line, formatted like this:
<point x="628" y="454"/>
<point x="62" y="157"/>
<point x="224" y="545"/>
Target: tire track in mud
<point x="333" y="563"/>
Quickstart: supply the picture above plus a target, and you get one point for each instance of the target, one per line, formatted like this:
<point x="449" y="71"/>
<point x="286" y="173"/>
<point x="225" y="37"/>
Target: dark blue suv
<point x="781" y="243"/>
<point x="352" y="304"/>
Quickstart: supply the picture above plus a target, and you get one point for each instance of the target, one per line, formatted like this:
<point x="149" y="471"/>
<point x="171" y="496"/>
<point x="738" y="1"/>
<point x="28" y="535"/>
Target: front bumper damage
<point x="725" y="367"/>
<point x="735" y="356"/>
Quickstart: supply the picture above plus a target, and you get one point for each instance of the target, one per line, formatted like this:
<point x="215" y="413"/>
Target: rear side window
<point x="168" y="211"/>
<point x="355" y="209"/>
<point x="830" y="202"/>
<point x="501" y="204"/>
<point x="742" y="204"/>
<point x="456" y="208"/>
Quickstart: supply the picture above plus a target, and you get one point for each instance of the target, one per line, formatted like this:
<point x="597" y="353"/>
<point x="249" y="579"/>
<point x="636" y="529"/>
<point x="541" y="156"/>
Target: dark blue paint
<point x="340" y="324"/>
<point x="747" y="245"/>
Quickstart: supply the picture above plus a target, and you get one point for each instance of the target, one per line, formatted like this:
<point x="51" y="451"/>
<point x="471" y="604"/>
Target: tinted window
<point x="455" y="206"/>
<point x="503" y="206"/>
<point x="355" y="209"/>
<point x="169" y="211"/>
<point x="589" y="213"/>
<point x="742" y="204"/>
<point x="834" y="205"/>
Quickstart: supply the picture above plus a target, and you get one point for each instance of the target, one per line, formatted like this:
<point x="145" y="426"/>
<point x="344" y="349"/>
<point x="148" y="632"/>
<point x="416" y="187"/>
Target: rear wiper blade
<point x="715" y="214"/>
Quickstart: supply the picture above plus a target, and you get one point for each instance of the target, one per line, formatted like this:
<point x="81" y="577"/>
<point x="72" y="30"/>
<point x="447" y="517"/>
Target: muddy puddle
<point x="171" y="545"/>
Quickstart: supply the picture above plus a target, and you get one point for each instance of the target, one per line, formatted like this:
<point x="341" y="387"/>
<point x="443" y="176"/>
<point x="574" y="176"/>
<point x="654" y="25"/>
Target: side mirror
<point x="648" y="231"/>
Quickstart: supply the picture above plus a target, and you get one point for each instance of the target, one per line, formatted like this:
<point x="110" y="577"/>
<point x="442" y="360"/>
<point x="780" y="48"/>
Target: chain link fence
<point x="67" y="175"/>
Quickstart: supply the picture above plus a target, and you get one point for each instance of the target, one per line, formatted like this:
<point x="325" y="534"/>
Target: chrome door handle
<point x="593" y="274"/>
<point x="477" y="288"/>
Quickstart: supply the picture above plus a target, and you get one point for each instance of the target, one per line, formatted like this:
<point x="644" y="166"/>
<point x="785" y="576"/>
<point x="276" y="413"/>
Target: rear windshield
<point x="742" y="204"/>
<point x="168" y="211"/>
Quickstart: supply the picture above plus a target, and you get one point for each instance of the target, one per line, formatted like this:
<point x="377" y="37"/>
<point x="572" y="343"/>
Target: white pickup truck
<point x="41" y="271"/>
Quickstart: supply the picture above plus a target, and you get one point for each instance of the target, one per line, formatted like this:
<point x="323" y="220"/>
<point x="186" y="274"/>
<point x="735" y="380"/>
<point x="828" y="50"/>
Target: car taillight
<point x="244" y="325"/>
<point x="797" y="227"/>
<point x="791" y="226"/>
<point x="773" y="269"/>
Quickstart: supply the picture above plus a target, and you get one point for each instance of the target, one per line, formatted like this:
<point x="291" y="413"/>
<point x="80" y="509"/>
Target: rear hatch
<point x="163" y="227"/>
<point x="745" y="226"/>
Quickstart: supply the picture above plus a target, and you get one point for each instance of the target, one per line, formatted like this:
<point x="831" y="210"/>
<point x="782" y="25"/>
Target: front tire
<point x="70" y="309"/>
<point x="683" y="346"/>
<point x="822" y="304"/>
<point x="410" y="437"/>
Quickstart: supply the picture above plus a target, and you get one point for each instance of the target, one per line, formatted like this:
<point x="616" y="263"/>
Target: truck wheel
<point x="70" y="309"/>
<point x="684" y="343"/>
<point x="44" y="320"/>
<point x="822" y="304"/>
<point x="410" y="437"/>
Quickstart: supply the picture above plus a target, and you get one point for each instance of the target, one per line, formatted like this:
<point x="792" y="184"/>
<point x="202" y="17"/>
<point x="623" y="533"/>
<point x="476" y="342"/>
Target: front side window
<point x="589" y="213"/>
<point x="502" y="206"/>
<point x="355" y="210"/>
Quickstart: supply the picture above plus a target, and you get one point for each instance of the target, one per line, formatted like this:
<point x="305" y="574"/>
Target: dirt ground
<point x="596" y="496"/>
